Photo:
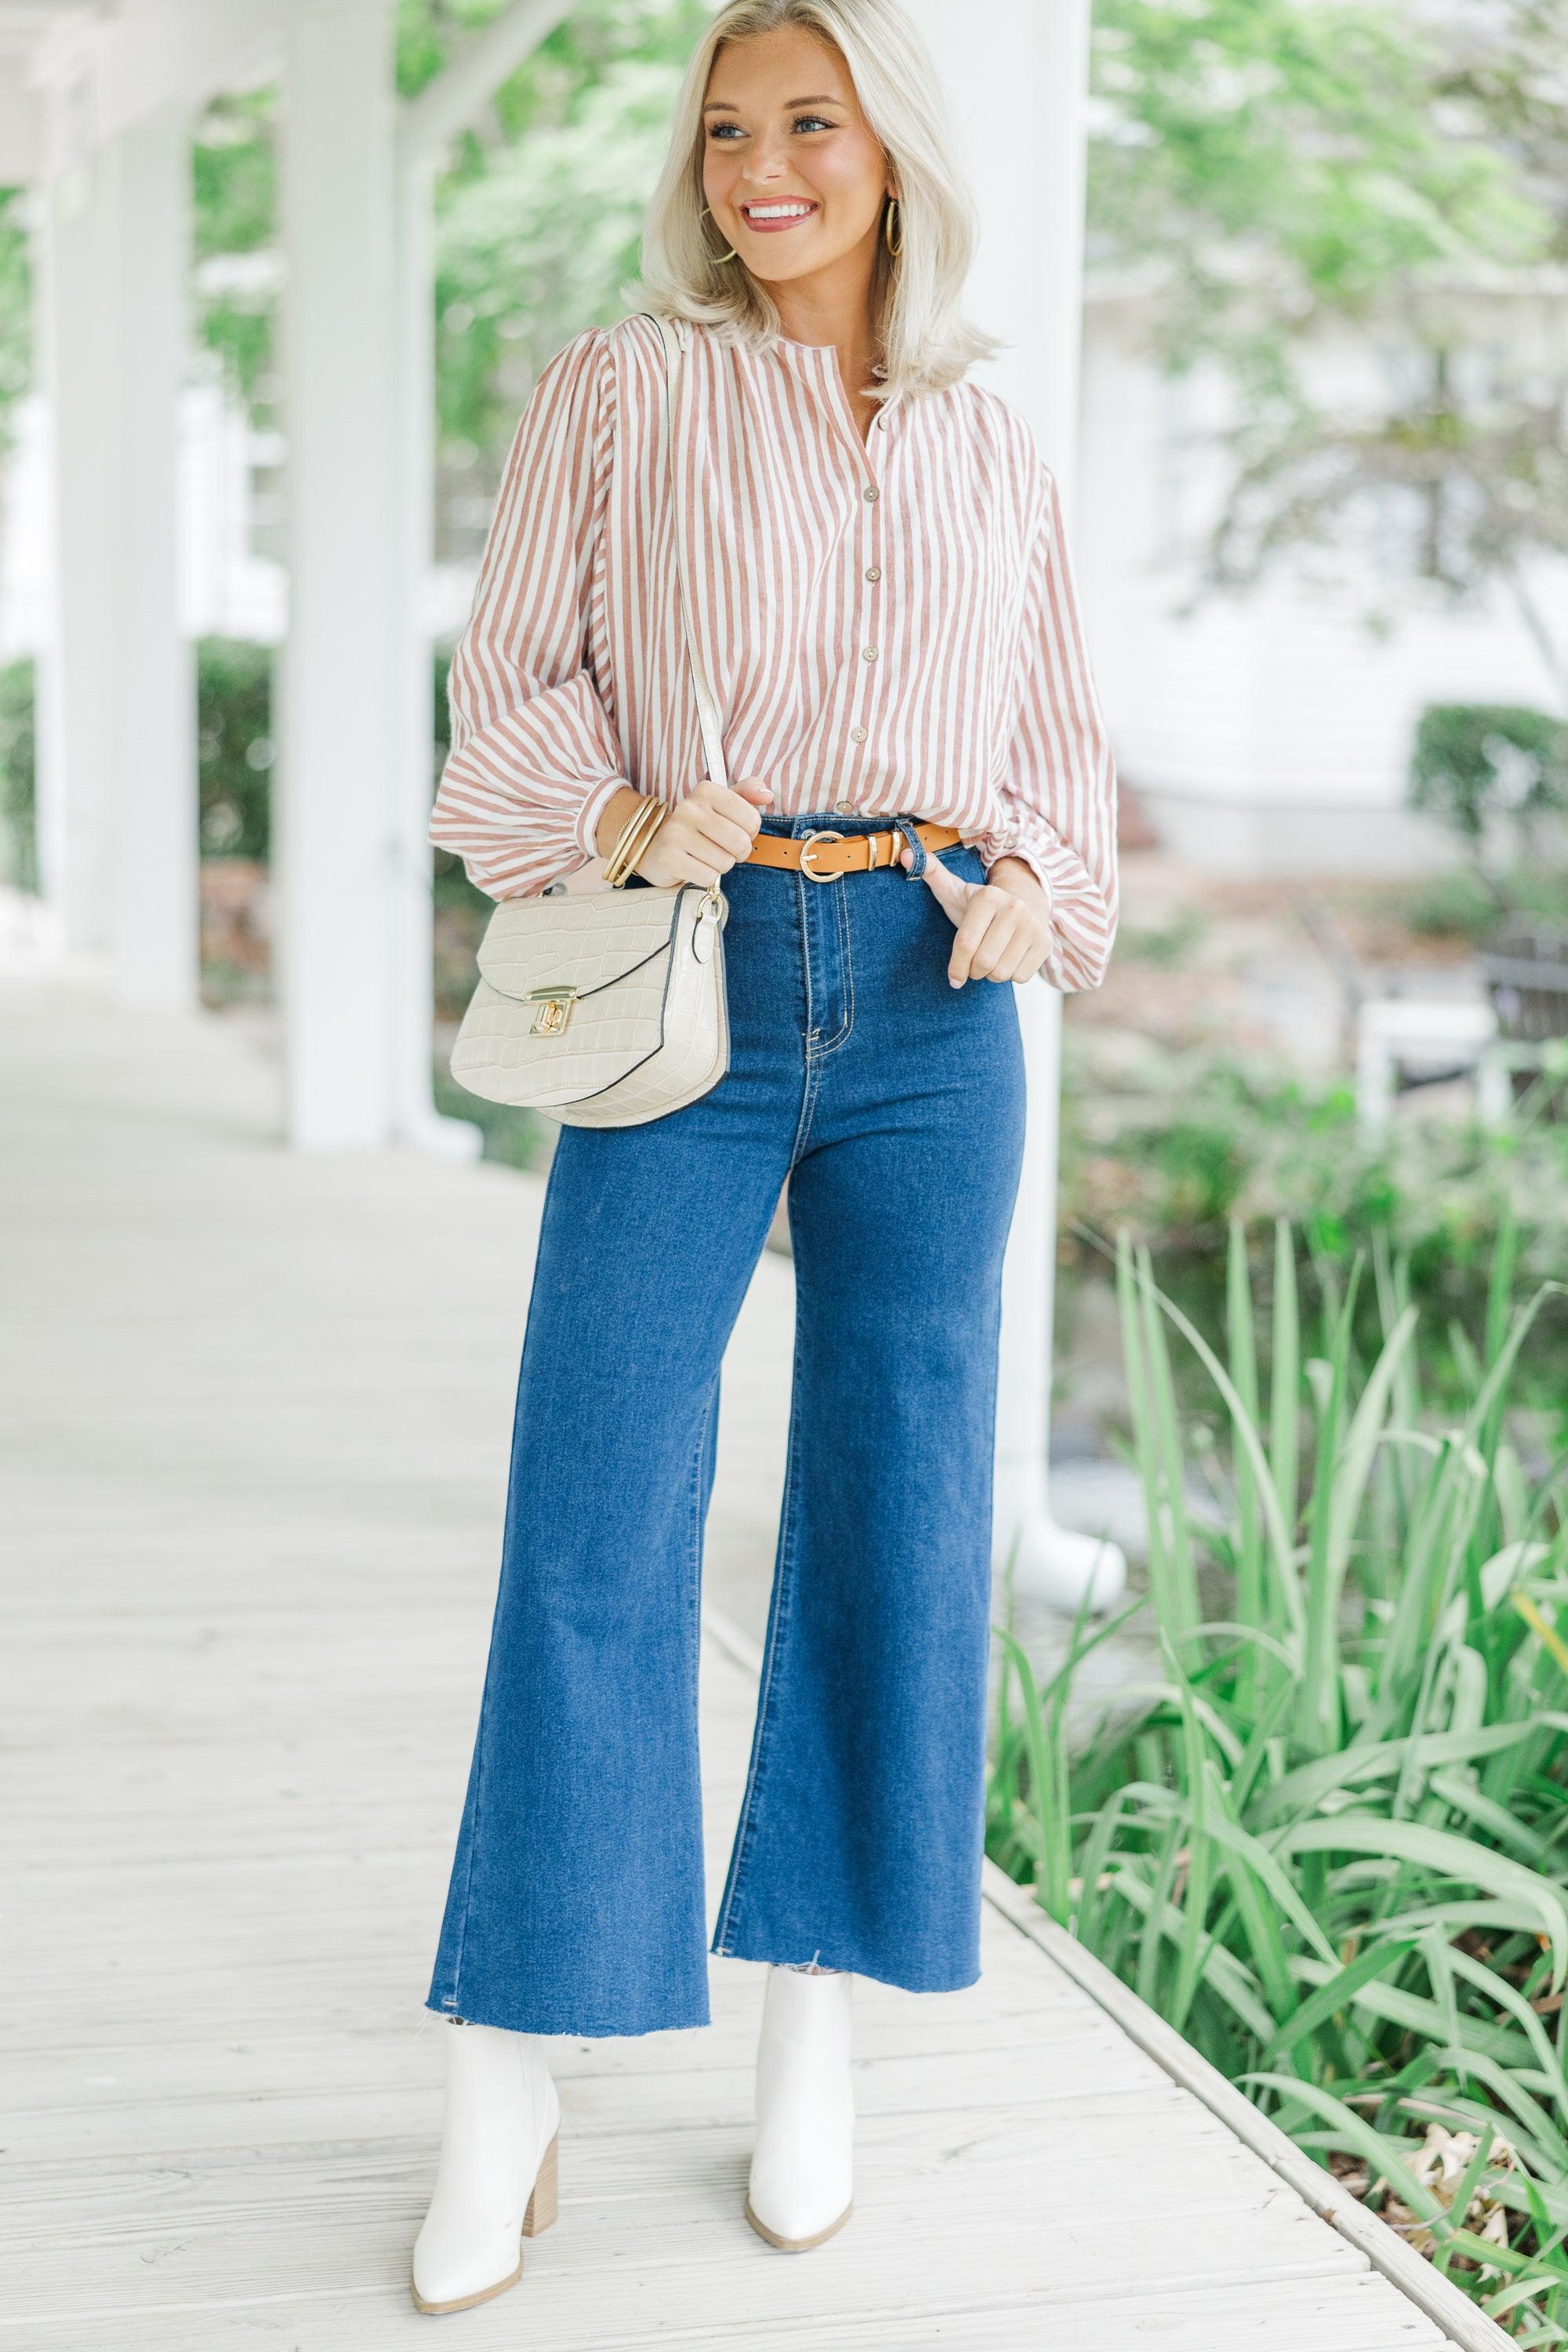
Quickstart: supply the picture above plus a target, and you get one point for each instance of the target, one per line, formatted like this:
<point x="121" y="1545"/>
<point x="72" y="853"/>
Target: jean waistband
<point x="828" y="820"/>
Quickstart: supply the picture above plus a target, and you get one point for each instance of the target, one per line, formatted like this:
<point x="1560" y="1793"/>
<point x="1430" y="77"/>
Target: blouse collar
<point x="820" y="357"/>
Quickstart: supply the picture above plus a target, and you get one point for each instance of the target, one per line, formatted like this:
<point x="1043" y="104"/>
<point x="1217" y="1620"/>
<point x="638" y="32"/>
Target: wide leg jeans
<point x="891" y="1104"/>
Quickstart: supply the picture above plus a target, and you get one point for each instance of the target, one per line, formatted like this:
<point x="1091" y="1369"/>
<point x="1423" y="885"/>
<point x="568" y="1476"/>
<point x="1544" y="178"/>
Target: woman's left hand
<point x="1003" y="924"/>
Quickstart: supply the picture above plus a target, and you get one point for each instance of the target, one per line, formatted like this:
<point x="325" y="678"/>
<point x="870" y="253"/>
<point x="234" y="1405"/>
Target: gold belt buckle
<point x="806" y="867"/>
<point x="554" y="1009"/>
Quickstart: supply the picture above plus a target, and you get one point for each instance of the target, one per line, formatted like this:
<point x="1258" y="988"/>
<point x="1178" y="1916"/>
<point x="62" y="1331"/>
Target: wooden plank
<point x="631" y="2152"/>
<point x="45" y="2076"/>
<point x="1462" y="2322"/>
<point x="703" y="2090"/>
<point x="680" y="2254"/>
<point x="1350" y="2315"/>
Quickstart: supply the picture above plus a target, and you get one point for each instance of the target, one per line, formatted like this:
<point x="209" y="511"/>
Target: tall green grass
<point x="1328" y="1839"/>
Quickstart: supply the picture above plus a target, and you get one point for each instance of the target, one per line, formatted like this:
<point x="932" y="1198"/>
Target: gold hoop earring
<point x="716" y="258"/>
<point x="890" y="209"/>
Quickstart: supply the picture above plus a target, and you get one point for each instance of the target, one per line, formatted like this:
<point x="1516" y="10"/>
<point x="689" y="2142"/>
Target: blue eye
<point x="812" y="121"/>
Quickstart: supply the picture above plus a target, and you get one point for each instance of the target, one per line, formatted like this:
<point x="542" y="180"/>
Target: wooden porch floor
<point x="254" y="1413"/>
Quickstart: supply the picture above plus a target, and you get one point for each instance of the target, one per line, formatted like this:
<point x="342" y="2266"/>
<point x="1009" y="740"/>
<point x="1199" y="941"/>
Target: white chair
<point x="1397" y="1033"/>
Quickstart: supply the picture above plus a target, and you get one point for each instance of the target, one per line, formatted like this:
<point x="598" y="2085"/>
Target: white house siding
<point x="229" y="586"/>
<point x="1271" y="732"/>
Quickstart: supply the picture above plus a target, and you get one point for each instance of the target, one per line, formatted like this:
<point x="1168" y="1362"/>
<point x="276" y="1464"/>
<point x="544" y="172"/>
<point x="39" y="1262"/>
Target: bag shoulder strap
<point x="673" y="338"/>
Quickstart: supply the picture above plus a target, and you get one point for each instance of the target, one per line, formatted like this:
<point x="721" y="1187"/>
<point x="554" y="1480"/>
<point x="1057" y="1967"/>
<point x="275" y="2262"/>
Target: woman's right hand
<point x="703" y="836"/>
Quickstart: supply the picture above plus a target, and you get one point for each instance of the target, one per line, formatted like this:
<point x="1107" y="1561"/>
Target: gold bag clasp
<point x="554" y="1009"/>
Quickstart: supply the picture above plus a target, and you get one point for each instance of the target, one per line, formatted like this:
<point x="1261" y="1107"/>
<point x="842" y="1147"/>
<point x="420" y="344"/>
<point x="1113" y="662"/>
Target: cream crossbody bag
<point x="607" y="1008"/>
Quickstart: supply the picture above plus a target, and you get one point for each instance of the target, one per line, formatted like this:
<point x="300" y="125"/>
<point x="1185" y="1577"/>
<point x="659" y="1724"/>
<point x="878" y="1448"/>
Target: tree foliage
<point x="15" y="300"/>
<point x="1485" y="769"/>
<point x="1276" y="160"/>
<point x="234" y="236"/>
<point x="539" y="216"/>
<point x="1273" y="171"/>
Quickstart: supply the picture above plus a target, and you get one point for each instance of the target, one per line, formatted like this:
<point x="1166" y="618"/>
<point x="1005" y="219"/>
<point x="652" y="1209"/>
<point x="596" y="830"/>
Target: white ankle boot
<point x="803" y="2158"/>
<point x="495" y="2184"/>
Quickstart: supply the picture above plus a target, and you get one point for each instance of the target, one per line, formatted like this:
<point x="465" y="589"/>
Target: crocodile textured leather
<point x="646" y="1030"/>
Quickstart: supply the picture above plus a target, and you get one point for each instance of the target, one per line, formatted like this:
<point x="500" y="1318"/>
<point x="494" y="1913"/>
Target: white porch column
<point x="76" y="348"/>
<point x="413" y="912"/>
<point x="1015" y="73"/>
<point x="154" y="891"/>
<point x="429" y="123"/>
<point x="416" y="1119"/>
<point x="341" y="686"/>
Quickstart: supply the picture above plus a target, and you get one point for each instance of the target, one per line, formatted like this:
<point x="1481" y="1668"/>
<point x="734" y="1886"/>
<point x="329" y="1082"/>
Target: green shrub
<point x="1174" y="1145"/>
<point x="1327" y="1841"/>
<point x="235" y="749"/>
<point x="234" y="755"/>
<point x="1460" y="906"/>
<point x="18" y="824"/>
<point x="1477" y="764"/>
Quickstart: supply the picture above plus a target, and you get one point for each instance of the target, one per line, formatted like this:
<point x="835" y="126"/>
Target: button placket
<point x="869" y="477"/>
<point x="871" y="571"/>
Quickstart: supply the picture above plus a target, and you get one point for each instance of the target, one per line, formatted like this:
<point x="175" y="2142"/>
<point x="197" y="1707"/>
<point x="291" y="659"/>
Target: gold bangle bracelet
<point x="640" y="847"/>
<point x="617" y="864"/>
<point x="613" y="863"/>
<point x="629" y="848"/>
<point x="633" y="835"/>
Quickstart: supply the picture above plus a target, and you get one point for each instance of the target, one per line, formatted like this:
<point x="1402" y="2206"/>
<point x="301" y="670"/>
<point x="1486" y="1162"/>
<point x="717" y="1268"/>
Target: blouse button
<point x="857" y="734"/>
<point x="869" y="653"/>
<point x="870" y="491"/>
<point x="875" y="572"/>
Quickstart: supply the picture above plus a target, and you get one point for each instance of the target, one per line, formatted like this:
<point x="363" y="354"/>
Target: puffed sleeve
<point x="534" y="757"/>
<point x="1057" y="791"/>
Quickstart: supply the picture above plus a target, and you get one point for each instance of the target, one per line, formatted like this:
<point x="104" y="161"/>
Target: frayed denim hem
<point x="571" y="2027"/>
<point x="903" y="1980"/>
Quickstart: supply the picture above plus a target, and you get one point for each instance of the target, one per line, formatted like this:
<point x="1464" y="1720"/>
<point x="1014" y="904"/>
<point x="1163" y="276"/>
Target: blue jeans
<point x="893" y="1106"/>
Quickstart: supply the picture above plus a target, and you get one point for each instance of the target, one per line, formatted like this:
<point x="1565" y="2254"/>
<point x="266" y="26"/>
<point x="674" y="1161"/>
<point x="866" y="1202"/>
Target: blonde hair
<point x="925" y="342"/>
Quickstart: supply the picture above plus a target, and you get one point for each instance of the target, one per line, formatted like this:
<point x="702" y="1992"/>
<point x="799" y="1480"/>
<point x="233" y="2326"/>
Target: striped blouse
<point x="888" y="624"/>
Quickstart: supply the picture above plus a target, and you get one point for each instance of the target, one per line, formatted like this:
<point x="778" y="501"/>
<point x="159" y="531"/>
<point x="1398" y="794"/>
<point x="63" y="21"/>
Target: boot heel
<point x="542" y="2205"/>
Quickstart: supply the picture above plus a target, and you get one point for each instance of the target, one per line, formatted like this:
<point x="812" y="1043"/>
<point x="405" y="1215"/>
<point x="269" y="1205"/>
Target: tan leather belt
<point x="824" y="856"/>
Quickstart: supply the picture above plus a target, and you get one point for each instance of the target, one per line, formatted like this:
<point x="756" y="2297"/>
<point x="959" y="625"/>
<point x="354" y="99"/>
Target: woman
<point x="886" y="610"/>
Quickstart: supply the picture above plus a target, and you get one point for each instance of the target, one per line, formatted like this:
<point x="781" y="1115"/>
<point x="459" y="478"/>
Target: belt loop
<point x="913" y="871"/>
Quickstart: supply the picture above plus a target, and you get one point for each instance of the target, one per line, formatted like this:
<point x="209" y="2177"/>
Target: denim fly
<point x="892" y="1106"/>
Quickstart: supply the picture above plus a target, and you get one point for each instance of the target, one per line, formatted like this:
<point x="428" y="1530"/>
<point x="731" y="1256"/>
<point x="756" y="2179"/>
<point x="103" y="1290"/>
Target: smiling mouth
<point x="781" y="212"/>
